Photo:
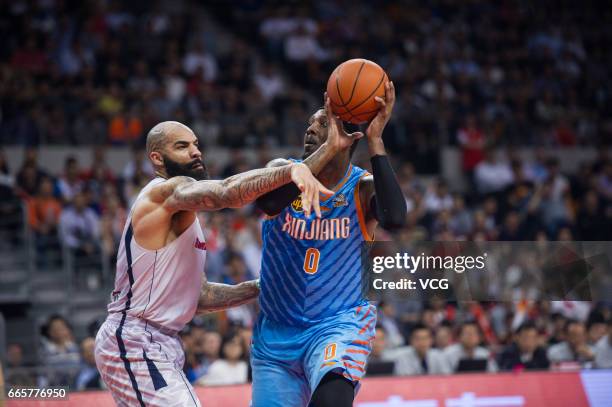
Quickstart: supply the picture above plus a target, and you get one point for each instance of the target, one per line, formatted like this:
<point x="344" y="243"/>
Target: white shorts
<point x="142" y="365"/>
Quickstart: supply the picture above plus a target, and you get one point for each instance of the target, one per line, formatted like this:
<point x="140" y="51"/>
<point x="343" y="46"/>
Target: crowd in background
<point x="84" y="209"/>
<point x="474" y="75"/>
<point x="483" y="77"/>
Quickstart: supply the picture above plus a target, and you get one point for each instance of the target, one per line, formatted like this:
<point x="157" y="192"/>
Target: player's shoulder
<point x="157" y="196"/>
<point x="362" y="174"/>
<point x="365" y="182"/>
<point x="164" y="188"/>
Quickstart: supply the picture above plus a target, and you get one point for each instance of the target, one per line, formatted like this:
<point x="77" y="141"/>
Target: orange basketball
<point x="352" y="87"/>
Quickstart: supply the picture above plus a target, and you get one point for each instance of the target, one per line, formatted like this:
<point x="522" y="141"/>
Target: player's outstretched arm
<point x="337" y="140"/>
<point x="274" y="201"/>
<point x="217" y="297"/>
<point x="187" y="194"/>
<point x="381" y="193"/>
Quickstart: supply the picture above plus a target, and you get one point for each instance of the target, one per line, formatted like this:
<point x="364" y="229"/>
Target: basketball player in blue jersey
<point x="313" y="336"/>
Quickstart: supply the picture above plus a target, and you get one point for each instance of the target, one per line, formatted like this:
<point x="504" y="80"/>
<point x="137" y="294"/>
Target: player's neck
<point x="334" y="171"/>
<point x="161" y="173"/>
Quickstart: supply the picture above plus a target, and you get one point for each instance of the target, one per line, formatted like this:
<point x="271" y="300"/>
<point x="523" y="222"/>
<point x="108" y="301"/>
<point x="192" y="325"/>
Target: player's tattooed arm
<point x="217" y="297"/>
<point x="187" y="194"/>
<point x="337" y="140"/>
<point x="274" y="201"/>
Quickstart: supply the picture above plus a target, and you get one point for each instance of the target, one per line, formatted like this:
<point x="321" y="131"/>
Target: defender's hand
<point x="377" y="125"/>
<point x="310" y="188"/>
<point x="337" y="138"/>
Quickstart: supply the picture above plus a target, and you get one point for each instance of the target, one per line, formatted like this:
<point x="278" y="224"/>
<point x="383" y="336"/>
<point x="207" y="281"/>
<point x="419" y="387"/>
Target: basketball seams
<point x="338" y="90"/>
<point x="355" y="82"/>
<point x="380" y="82"/>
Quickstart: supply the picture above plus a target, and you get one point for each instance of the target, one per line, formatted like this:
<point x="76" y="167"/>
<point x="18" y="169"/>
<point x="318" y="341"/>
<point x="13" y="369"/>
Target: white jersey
<point x="161" y="286"/>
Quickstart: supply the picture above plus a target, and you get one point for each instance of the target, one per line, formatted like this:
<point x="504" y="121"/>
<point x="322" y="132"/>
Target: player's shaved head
<point x="160" y="134"/>
<point x="173" y="149"/>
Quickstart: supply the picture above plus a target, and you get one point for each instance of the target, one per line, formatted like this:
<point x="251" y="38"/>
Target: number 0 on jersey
<point x="311" y="260"/>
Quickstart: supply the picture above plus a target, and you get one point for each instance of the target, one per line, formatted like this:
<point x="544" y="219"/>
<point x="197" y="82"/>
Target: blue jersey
<point x="311" y="268"/>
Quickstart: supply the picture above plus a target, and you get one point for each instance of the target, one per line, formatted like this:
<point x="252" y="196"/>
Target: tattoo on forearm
<point x="246" y="187"/>
<point x="216" y="297"/>
<point x="233" y="192"/>
<point x="319" y="159"/>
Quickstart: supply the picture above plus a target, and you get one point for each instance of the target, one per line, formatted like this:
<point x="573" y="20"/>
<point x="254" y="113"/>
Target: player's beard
<point x="175" y="169"/>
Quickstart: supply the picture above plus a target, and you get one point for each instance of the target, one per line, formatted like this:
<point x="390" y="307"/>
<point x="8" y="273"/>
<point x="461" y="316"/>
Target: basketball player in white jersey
<point x="160" y="283"/>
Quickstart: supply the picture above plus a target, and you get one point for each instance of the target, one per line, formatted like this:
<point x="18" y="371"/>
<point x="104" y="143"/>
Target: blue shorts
<point x="289" y="362"/>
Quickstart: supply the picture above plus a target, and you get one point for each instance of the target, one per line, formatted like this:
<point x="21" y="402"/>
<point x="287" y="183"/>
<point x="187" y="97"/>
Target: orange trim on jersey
<point x="359" y="362"/>
<point x="328" y="364"/>
<point x="343" y="181"/>
<point x="358" y="309"/>
<point x="360" y="215"/>
<point x="359" y="368"/>
<point x="366" y="314"/>
<point x="350" y="376"/>
<point x="365" y="328"/>
<point x="360" y="342"/>
<point x="365" y="352"/>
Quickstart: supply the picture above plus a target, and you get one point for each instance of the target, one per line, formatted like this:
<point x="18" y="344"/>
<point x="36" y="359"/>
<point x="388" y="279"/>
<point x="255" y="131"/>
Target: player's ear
<point x="156" y="158"/>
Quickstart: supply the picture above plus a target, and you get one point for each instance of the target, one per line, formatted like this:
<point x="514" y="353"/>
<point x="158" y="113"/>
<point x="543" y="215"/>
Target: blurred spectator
<point x="596" y="327"/>
<point x="88" y="377"/>
<point x="472" y="141"/>
<point x="604" y="182"/>
<point x="10" y="207"/>
<point x="603" y="350"/>
<point x="468" y="349"/>
<point x="444" y="336"/>
<point x="379" y="345"/>
<point x="420" y="358"/>
<point x="112" y="222"/>
<point x="461" y="222"/>
<point x="591" y="221"/>
<point x="7" y="180"/>
<point x="139" y="164"/>
<point x="438" y="198"/>
<point x="207" y="347"/>
<point x="302" y="45"/>
<point x="558" y="182"/>
<point x="524" y="352"/>
<point x="492" y="174"/>
<point x="269" y="82"/>
<point x="79" y="227"/>
<point x="17" y="370"/>
<point x="59" y="351"/>
<point x="231" y="368"/>
<point x="29" y="57"/>
<point x="44" y="211"/>
<point x="69" y="184"/>
<point x="197" y="61"/>
<point x="387" y="319"/>
<point x="30" y="174"/>
<point x="196" y="364"/>
<point x="125" y="128"/>
<point x="575" y="349"/>
<point x="14" y="356"/>
<point x="237" y="272"/>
